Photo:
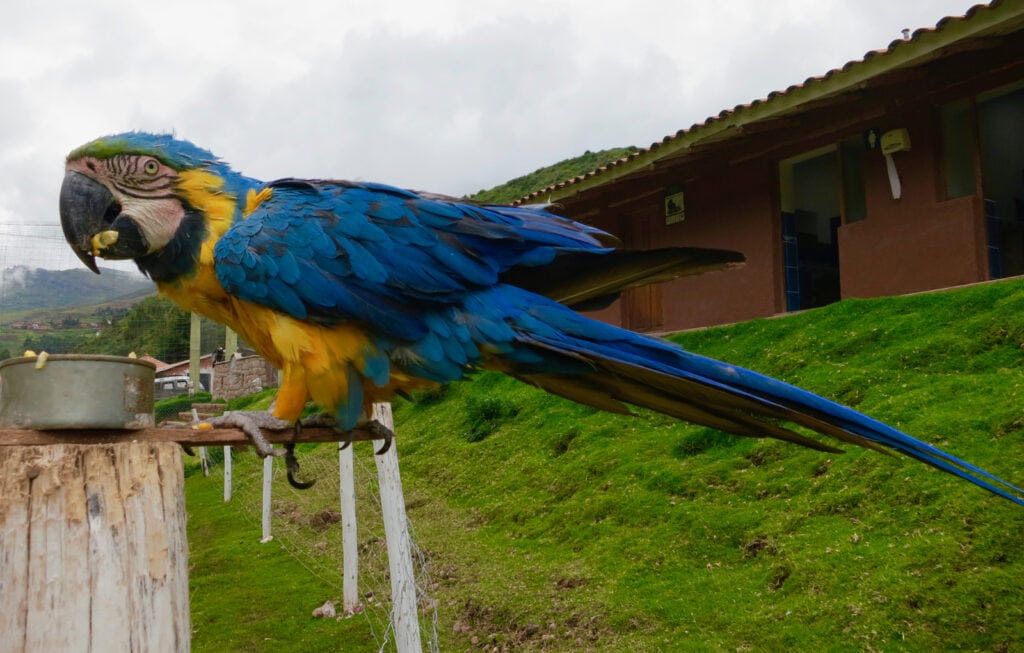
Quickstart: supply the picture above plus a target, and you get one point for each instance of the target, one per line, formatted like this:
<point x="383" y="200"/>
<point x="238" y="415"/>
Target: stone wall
<point x="242" y="376"/>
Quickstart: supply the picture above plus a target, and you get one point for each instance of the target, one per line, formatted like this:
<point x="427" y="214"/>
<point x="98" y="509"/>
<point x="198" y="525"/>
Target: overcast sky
<point x="445" y="95"/>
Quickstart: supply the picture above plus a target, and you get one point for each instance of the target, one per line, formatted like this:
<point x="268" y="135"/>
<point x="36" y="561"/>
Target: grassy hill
<point x="519" y="187"/>
<point x="547" y="526"/>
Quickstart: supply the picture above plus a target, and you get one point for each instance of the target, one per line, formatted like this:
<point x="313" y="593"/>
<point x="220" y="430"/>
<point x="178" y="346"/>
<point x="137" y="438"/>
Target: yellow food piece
<point x="103" y="240"/>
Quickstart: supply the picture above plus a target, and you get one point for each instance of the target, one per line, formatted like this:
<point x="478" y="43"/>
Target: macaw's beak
<point x="93" y="223"/>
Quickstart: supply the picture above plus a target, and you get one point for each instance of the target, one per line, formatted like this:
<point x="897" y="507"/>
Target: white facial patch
<point x="158" y="219"/>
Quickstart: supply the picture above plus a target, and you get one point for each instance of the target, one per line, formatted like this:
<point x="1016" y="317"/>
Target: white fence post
<point x="268" y="477"/>
<point x="227" y="474"/>
<point x="349" y="532"/>
<point x="396" y="531"/>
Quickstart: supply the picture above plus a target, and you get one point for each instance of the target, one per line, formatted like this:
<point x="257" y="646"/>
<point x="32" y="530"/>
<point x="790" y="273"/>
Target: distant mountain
<point x="23" y="288"/>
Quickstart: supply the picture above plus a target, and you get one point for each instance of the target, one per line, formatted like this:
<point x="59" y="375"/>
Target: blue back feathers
<point x="387" y="258"/>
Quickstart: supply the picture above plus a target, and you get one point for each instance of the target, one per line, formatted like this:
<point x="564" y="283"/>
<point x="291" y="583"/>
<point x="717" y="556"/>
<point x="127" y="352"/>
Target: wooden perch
<point x="182" y="435"/>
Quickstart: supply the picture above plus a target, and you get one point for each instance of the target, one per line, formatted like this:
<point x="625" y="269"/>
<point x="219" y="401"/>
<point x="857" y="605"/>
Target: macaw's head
<point x="146" y="197"/>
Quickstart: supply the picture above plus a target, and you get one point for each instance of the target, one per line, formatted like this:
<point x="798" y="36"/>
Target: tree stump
<point x="93" y="548"/>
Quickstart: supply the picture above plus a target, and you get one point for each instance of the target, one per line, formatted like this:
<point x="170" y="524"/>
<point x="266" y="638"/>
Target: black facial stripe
<point x="125" y="169"/>
<point x="142" y="195"/>
<point x="159" y="183"/>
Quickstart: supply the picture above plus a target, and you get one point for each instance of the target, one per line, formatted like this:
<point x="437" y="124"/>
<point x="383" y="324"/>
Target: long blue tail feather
<point x="726" y="395"/>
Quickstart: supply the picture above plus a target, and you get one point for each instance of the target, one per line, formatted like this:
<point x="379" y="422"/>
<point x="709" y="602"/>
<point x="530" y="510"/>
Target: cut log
<point x="93" y="549"/>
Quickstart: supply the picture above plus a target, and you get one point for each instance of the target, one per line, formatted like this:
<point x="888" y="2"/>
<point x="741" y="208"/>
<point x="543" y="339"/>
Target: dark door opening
<point x="1000" y="121"/>
<point x="810" y="225"/>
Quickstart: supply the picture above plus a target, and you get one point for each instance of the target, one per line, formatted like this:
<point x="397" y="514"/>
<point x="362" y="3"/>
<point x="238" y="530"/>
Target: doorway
<point x="810" y="197"/>
<point x="1000" y="120"/>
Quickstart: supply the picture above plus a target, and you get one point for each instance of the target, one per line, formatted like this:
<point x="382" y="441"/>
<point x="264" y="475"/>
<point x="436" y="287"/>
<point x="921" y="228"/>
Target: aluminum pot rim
<point x="102" y="358"/>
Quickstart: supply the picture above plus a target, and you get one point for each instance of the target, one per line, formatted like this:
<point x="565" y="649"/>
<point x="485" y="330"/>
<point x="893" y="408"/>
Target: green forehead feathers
<point x="178" y="154"/>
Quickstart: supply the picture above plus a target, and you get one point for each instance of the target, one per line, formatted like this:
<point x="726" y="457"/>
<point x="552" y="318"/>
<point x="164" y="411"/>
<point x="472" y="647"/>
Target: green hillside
<point x="25" y="289"/>
<point x="547" y="526"/>
<point x="519" y="187"/>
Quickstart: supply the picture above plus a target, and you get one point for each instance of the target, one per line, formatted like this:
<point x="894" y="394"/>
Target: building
<point x="242" y="375"/>
<point x="899" y="172"/>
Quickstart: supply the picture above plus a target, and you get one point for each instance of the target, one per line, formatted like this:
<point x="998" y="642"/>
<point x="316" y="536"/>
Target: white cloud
<point x="450" y="95"/>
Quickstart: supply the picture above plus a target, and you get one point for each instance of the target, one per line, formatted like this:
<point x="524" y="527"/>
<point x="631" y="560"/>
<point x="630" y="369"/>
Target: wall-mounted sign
<point x="675" y="211"/>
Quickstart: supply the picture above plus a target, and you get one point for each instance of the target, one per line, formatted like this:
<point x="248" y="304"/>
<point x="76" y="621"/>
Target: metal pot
<point x="76" y="391"/>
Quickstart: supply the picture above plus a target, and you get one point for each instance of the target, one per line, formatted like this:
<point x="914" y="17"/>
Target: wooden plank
<point x="186" y="436"/>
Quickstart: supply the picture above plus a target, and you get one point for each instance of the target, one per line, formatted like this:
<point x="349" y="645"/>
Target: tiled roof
<point x="922" y="44"/>
<point x="155" y="361"/>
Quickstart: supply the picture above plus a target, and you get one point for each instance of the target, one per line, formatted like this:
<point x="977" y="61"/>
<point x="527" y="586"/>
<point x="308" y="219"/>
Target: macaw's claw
<point x="251" y="424"/>
<point x="292" y="465"/>
<point x="375" y="428"/>
<point x="345" y="442"/>
<point x="382" y="432"/>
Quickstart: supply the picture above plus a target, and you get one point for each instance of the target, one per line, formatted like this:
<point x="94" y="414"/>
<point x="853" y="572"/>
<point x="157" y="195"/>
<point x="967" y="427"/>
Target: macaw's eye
<point x="151" y="167"/>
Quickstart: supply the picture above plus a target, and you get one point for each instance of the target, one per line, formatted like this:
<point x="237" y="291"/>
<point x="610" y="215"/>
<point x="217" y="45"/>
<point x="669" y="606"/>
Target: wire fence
<point x="39" y="308"/>
<point x="40" y="245"/>
<point x="307" y="525"/>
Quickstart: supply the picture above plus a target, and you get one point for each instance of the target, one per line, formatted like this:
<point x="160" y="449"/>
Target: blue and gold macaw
<point x="358" y="291"/>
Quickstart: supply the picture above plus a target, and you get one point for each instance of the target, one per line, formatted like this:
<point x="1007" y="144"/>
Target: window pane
<point x="958" y="149"/>
<point x="854" y="203"/>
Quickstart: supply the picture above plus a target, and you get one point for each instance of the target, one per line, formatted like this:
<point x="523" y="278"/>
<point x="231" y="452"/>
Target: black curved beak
<point x="93" y="223"/>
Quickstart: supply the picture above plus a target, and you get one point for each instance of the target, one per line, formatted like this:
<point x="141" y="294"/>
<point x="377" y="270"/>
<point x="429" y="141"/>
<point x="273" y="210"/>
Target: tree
<point x="156" y="327"/>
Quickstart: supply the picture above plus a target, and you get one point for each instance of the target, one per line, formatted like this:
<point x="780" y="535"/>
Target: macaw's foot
<point x="375" y="428"/>
<point x="251" y="423"/>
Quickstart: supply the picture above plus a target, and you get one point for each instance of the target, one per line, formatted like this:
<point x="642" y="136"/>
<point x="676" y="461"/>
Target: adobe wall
<point x="733" y="208"/>
<point x="242" y="376"/>
<point x="921" y="241"/>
